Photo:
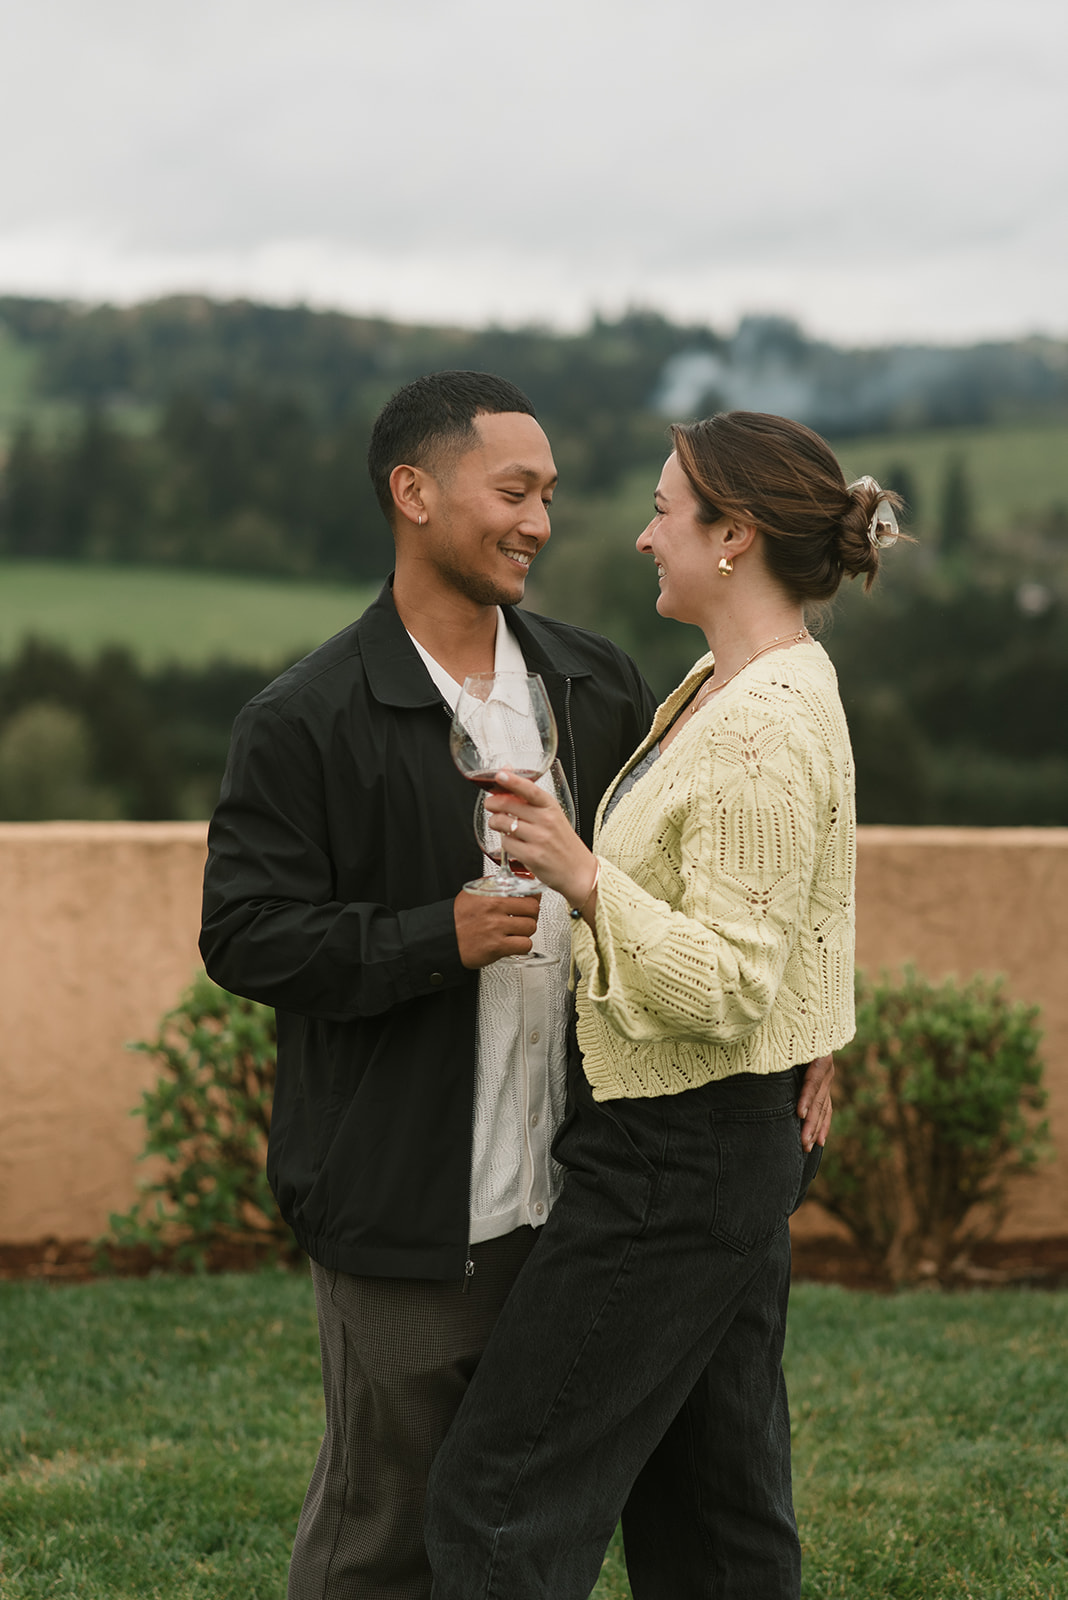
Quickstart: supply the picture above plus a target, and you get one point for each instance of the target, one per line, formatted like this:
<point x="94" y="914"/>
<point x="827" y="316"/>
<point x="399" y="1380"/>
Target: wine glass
<point x="489" y="840"/>
<point x="502" y="719"/>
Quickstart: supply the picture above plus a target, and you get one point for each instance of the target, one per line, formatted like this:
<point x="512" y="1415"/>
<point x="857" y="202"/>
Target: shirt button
<point x="436" y="980"/>
<point x="535" y="1036"/>
<point x="534" y="1120"/>
<point x="539" y="1208"/>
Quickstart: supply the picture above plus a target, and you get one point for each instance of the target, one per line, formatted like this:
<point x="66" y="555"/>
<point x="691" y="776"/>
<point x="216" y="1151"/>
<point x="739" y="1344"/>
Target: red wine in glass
<point x="489" y="840"/>
<point x="488" y="780"/>
<point x="516" y="866"/>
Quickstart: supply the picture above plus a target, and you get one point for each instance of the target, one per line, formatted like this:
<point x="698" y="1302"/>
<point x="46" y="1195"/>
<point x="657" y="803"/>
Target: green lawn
<point x="170" y="614"/>
<point x="156" y="1437"/>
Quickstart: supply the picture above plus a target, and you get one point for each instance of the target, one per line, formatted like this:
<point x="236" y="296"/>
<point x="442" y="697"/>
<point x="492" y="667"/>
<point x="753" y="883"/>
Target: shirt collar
<point x="507" y="657"/>
<point x="398" y="677"/>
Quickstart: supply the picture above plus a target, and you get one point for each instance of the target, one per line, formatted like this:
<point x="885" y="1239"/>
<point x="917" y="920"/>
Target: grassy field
<point x="170" y="614"/>
<point x="1013" y="470"/>
<point x="156" y="1437"/>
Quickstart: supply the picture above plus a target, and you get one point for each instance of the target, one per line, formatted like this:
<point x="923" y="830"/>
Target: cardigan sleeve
<point x="696" y="949"/>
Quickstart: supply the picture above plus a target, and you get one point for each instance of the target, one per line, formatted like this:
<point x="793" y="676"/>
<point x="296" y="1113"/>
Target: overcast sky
<point x="880" y="171"/>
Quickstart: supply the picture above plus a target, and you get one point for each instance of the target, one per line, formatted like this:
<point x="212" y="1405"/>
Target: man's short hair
<point x="431" y="423"/>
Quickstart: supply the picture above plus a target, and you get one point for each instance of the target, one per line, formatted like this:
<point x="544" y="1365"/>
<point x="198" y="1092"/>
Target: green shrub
<point x="935" y="1103"/>
<point x="207" y="1120"/>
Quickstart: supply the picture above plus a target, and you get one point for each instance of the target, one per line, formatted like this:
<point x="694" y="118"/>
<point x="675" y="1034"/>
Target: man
<point x="419" y="1081"/>
<point x="420" y="1078"/>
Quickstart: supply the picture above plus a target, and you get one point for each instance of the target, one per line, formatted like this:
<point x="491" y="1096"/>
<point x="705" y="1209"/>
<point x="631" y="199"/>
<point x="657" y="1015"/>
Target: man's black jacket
<point x="341" y="838"/>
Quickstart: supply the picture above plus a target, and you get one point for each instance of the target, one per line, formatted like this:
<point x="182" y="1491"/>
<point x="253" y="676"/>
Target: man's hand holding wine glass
<point x="489" y="928"/>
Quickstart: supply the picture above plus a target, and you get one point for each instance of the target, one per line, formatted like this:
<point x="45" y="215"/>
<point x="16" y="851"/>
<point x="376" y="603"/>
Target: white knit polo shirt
<point x="520" y="1050"/>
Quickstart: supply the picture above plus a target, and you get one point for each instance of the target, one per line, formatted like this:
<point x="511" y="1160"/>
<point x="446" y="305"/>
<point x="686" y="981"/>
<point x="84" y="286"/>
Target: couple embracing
<point x="548" y="1232"/>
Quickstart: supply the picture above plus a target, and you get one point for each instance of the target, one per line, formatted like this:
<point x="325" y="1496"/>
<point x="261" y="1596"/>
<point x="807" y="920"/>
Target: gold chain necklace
<point x="711" y="687"/>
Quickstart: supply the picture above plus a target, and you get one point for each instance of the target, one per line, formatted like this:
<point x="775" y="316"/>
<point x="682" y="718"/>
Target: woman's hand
<point x="814" y="1106"/>
<point x="534" y="827"/>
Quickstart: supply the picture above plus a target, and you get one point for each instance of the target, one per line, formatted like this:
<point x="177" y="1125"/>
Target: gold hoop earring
<point x="725" y="567"/>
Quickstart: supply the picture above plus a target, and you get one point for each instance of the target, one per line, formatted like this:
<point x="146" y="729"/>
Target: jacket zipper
<point x="469" y="1272"/>
<point x="574" y="763"/>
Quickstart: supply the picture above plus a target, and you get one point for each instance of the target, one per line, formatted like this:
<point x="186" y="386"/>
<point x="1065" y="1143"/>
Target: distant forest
<point x="233" y="437"/>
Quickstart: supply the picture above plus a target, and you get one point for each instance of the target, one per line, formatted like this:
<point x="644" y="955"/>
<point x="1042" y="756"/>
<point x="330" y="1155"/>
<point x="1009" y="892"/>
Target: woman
<point x="636" y="1368"/>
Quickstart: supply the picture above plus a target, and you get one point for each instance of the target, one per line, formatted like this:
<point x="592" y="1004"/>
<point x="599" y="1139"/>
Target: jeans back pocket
<point x="759" y="1169"/>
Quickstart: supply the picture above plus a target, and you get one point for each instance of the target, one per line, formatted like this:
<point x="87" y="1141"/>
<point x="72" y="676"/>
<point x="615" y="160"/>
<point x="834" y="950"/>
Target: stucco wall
<point x="964" y="900"/>
<point x="98" y="927"/>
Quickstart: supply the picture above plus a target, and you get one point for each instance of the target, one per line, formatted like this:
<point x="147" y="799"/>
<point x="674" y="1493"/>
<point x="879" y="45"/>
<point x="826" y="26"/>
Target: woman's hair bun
<point x="786" y="480"/>
<point x="867" y="527"/>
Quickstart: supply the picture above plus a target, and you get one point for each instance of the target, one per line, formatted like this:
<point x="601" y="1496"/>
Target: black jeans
<point x="636" y="1367"/>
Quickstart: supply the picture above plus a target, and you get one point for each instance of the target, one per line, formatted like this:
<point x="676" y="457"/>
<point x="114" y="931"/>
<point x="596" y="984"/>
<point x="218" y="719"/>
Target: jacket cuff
<point x="428" y="935"/>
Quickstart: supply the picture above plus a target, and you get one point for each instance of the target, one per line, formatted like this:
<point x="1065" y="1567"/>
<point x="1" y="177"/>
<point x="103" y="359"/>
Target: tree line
<point x="245" y="486"/>
<point x="255" y="484"/>
<point x="234" y="437"/>
<point x="955" y="705"/>
<point x="105" y="738"/>
<point x="332" y="362"/>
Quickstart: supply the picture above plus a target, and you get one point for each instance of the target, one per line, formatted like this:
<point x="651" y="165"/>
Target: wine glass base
<point x="503" y="887"/>
<point x="500" y="888"/>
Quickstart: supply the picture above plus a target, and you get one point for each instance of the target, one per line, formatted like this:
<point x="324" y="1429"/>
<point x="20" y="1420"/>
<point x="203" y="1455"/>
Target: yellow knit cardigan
<point x="725" y="927"/>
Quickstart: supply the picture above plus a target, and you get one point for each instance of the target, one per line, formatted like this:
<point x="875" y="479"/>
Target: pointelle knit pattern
<point x="725" y="907"/>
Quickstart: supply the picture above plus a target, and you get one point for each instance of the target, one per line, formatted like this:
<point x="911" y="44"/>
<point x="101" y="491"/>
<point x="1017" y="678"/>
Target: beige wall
<point x="98" y="926"/>
<point x="955" y="901"/>
<point x="98" y="934"/>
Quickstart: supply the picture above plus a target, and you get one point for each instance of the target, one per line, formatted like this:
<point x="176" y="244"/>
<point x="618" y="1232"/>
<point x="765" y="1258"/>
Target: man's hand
<point x="488" y="928"/>
<point x="814" y="1106"/>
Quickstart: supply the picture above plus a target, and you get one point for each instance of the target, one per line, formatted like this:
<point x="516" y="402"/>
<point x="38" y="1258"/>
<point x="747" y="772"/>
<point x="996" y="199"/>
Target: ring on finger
<point x="515" y="825"/>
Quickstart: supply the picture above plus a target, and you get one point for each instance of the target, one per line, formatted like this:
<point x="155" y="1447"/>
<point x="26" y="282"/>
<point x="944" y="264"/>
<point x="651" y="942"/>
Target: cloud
<point x="475" y="159"/>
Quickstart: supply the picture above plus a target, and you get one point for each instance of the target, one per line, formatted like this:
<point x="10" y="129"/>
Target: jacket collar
<point x="395" y="673"/>
<point x="397" y="676"/>
<point x="546" y="646"/>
